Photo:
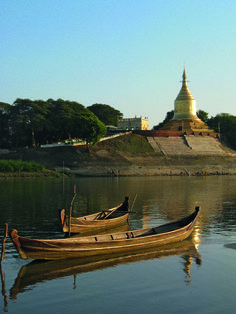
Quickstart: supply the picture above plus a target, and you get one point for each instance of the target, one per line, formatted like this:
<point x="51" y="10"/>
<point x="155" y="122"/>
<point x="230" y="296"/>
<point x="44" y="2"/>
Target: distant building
<point x="130" y="124"/>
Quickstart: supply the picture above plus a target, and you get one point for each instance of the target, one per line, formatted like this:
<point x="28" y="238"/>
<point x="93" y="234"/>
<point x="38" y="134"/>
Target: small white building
<point x="133" y="124"/>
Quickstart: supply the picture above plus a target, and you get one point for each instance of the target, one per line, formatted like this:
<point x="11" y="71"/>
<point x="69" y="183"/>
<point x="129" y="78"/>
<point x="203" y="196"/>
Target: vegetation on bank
<point x="125" y="152"/>
<point x="129" y="143"/>
<point x="30" y="123"/>
<point x="23" y="169"/>
<point x="20" y="166"/>
<point x="29" y="175"/>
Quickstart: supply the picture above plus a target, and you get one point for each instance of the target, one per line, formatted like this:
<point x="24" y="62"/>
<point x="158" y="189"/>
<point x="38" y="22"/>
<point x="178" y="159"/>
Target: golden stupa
<point x="185" y="116"/>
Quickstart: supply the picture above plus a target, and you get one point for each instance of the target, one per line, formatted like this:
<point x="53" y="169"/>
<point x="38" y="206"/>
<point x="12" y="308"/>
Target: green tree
<point x="169" y="116"/>
<point x="92" y="129"/>
<point x="62" y="118"/>
<point x="202" y="115"/>
<point x="4" y="106"/>
<point x="38" y="121"/>
<point x="27" y="120"/>
<point x="105" y="113"/>
<point x="4" y="125"/>
<point x="225" y="124"/>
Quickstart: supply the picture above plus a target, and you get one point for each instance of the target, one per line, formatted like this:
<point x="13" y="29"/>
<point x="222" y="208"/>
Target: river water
<point x="197" y="275"/>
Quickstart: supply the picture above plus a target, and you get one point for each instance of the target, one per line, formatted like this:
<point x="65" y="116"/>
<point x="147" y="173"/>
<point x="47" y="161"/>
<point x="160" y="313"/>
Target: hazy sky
<point x="129" y="54"/>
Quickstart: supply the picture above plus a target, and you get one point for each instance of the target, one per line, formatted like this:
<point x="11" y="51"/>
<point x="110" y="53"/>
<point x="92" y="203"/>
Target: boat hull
<point x="93" y="223"/>
<point x="113" y="243"/>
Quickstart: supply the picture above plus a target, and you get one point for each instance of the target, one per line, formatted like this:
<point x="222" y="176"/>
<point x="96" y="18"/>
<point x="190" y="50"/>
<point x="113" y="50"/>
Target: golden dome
<point x="185" y="104"/>
<point x="184" y="93"/>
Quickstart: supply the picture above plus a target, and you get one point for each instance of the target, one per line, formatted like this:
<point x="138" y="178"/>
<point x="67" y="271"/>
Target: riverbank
<point x="128" y="155"/>
<point x="28" y="175"/>
<point x="152" y="166"/>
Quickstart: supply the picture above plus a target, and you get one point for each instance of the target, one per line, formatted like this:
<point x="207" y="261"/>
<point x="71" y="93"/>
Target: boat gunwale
<point x="74" y="240"/>
<point x="27" y="247"/>
<point x="89" y="223"/>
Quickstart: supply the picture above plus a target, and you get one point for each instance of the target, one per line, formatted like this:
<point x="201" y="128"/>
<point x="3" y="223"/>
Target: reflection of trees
<point x="225" y="219"/>
<point x="171" y="198"/>
<point x="160" y="199"/>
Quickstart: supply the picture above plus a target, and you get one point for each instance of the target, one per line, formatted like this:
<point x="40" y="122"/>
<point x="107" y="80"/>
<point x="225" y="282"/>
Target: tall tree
<point x="4" y="125"/>
<point x="38" y="121"/>
<point x="92" y="129"/>
<point x="27" y="119"/>
<point x="202" y="115"/>
<point x="169" y="116"/>
<point x="225" y="124"/>
<point x="105" y="113"/>
<point x="63" y="116"/>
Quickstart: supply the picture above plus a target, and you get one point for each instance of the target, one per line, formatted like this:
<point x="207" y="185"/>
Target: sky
<point x="128" y="54"/>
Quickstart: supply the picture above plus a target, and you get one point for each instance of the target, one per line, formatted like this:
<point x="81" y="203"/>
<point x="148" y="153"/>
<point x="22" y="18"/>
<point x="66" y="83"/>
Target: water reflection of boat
<point x="40" y="271"/>
<point x="121" y="242"/>
<point x="3" y="290"/>
<point x="231" y="246"/>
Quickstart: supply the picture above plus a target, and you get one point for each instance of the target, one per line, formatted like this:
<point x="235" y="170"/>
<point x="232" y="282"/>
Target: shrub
<point x="19" y="165"/>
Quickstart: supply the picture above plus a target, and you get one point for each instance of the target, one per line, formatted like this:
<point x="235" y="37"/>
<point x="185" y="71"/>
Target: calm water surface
<point x="196" y="276"/>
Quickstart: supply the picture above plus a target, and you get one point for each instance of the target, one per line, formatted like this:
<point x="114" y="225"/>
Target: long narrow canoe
<point x="94" y="223"/>
<point x="121" y="242"/>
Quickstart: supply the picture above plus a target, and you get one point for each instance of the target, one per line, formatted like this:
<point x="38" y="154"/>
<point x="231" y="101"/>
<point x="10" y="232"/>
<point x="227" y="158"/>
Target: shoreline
<point x="127" y="171"/>
<point x="28" y="175"/>
<point x="130" y="156"/>
<point x="124" y="171"/>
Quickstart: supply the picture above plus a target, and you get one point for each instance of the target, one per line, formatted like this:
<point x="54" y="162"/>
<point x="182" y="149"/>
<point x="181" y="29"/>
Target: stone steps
<point x="154" y="144"/>
<point x="186" y="145"/>
<point x="173" y="145"/>
<point x="203" y="144"/>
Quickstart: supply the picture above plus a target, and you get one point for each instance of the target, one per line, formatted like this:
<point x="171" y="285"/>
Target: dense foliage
<point x="225" y="124"/>
<point x="106" y="113"/>
<point x="20" y="166"/>
<point x="35" y="122"/>
<point x="202" y="115"/>
<point x="169" y="116"/>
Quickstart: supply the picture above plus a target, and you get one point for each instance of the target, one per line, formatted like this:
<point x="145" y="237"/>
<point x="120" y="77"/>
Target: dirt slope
<point x="128" y="155"/>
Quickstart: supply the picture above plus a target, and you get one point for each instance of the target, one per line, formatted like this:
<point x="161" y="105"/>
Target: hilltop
<point x="129" y="155"/>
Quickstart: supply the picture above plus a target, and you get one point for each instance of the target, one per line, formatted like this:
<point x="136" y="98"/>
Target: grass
<point x="131" y="143"/>
<point x="20" y="166"/>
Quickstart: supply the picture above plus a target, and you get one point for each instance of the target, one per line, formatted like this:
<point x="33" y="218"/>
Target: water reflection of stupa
<point x="189" y="259"/>
<point x="187" y="249"/>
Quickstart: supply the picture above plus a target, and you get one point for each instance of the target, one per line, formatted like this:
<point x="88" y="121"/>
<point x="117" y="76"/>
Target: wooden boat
<point x="36" y="272"/>
<point x="111" y="243"/>
<point x="94" y="223"/>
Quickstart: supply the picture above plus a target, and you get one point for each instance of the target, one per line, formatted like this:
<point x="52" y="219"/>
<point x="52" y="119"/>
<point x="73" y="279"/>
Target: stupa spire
<point x="185" y="104"/>
<point x="184" y="75"/>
